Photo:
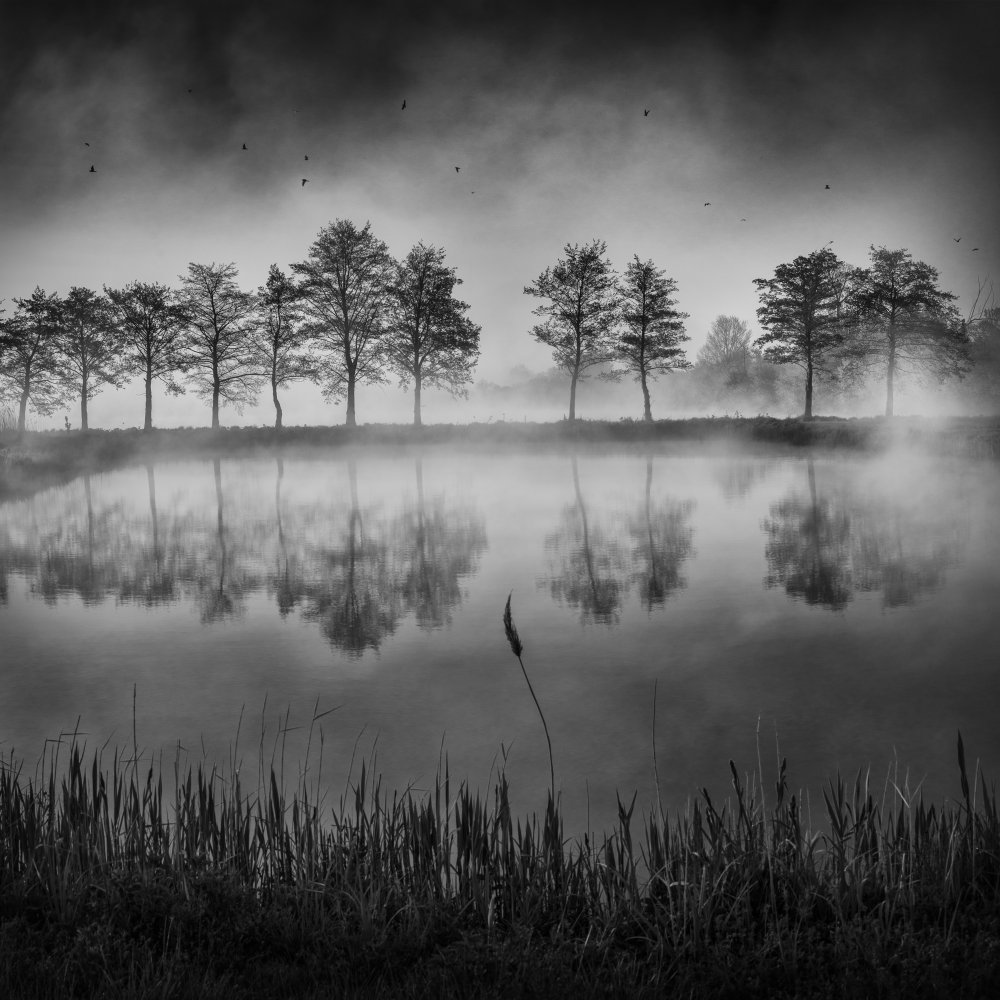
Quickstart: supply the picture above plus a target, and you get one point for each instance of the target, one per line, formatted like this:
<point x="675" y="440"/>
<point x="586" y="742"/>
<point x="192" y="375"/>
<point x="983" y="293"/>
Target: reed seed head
<point x="508" y="626"/>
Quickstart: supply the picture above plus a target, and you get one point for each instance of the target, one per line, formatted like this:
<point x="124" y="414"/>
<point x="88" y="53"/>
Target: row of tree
<point x="832" y="320"/>
<point x="348" y="313"/>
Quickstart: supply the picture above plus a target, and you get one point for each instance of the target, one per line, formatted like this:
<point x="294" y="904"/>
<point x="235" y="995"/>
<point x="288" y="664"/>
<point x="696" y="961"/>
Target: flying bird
<point x="707" y="203"/>
<point x="826" y="187"/>
<point x="645" y="112"/>
<point x="305" y="181"/>
<point x="307" y="156"/>
<point x="244" y="145"/>
<point x="974" y="250"/>
<point x="743" y="220"/>
<point x="457" y="169"/>
<point x="957" y="239"/>
<point x="86" y="143"/>
<point x="92" y="170"/>
<point x="403" y="108"/>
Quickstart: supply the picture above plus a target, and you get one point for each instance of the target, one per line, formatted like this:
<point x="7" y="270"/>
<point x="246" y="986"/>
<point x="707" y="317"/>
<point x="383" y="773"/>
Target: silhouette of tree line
<point x="350" y="314"/>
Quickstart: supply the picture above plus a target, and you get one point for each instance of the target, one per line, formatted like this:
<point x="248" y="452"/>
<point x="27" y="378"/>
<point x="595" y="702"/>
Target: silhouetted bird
<point x="305" y="181"/>
<point x="86" y="143"/>
<point x="707" y="203"/>
<point x="403" y="108"/>
<point x="307" y="156"/>
<point x="974" y="250"/>
<point x="743" y="220"/>
<point x="645" y="112"/>
<point x="457" y="169"/>
<point x="957" y="239"/>
<point x="92" y="170"/>
<point x="826" y="187"/>
<point x="244" y="145"/>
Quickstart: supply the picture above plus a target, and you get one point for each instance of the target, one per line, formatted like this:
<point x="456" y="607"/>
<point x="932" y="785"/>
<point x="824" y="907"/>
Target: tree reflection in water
<point x="353" y="599"/>
<point x="146" y="577"/>
<point x="662" y="540"/>
<point x="808" y="548"/>
<point x="824" y="548"/>
<point x="434" y="546"/>
<point x="587" y="562"/>
<point x="595" y="561"/>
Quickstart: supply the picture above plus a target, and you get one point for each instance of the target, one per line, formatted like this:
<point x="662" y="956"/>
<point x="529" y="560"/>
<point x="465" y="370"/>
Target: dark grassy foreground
<point x="110" y="887"/>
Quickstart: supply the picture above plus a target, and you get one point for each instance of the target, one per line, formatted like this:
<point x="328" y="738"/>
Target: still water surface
<point x="840" y="611"/>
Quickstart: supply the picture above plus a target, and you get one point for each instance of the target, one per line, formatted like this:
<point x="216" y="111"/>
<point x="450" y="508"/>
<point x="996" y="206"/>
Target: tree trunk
<point x="647" y="413"/>
<point x="277" y="405"/>
<point x="572" y="396"/>
<point x="148" y="425"/>
<point x="890" y="376"/>
<point x="215" y="397"/>
<point x="416" y="402"/>
<point x="809" y="391"/>
<point x="351" y="419"/>
<point x="23" y="409"/>
<point x="83" y="401"/>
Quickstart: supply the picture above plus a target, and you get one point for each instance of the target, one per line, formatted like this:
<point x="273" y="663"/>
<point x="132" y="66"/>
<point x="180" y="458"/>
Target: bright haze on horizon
<point x="853" y="123"/>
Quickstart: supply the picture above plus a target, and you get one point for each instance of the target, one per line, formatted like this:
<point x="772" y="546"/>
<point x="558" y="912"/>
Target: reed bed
<point x="127" y="876"/>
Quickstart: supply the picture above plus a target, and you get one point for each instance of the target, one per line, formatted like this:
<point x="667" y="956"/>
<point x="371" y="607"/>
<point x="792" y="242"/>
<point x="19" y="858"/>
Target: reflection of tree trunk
<point x="277" y="511"/>
<point x="814" y="516"/>
<point x="654" y="582"/>
<point x="217" y="465"/>
<point x="90" y="526"/>
<point x="587" y="555"/>
<point x="351" y="597"/>
<point x="151" y="481"/>
<point x="422" y="531"/>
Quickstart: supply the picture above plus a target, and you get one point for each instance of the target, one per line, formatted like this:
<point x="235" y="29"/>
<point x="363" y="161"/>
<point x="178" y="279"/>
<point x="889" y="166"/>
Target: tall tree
<point x="218" y="346"/>
<point x="432" y="342"/>
<point x="907" y="325"/>
<point x="29" y="359"/>
<point x="728" y="345"/>
<point x="802" y="311"/>
<point x="578" y="320"/>
<point x="345" y="285"/>
<point x="89" y="345"/>
<point x="151" y="322"/>
<point x="282" y="340"/>
<point x="653" y="330"/>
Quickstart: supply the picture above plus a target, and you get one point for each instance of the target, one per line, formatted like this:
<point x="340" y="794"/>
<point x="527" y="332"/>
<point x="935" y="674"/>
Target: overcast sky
<point x="754" y="107"/>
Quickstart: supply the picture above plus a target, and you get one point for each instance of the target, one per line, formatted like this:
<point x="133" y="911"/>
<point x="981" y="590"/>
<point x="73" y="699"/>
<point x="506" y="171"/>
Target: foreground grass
<point x="111" y="887"/>
<point x="36" y="459"/>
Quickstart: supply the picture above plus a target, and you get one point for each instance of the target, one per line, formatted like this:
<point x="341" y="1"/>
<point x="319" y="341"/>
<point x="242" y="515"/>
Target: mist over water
<point x="834" y="610"/>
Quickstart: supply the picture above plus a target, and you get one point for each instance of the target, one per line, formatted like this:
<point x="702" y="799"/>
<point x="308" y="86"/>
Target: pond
<point x="840" y="611"/>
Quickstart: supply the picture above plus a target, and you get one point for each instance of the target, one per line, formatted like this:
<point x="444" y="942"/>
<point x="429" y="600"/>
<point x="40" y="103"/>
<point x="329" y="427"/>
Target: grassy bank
<point x="37" y="459"/>
<point x="109" y="886"/>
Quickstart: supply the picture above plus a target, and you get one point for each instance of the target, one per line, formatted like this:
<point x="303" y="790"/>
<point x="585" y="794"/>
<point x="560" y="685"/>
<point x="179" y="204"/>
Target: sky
<point x="752" y="107"/>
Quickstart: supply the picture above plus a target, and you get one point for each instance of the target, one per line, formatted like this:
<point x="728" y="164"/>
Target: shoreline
<point x="38" y="459"/>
